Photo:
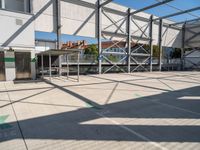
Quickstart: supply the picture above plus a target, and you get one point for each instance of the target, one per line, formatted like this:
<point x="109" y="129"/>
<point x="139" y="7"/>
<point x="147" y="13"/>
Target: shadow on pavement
<point x="68" y="125"/>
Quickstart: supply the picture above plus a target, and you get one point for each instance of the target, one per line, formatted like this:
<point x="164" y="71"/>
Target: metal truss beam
<point x="124" y="35"/>
<point x="132" y="54"/>
<point x="192" y="37"/>
<point x="178" y="13"/>
<point x="195" y="65"/>
<point x="187" y="21"/>
<point x="117" y="12"/>
<point x="151" y="6"/>
<point x="192" y="26"/>
<point x="114" y="22"/>
<point x="144" y="62"/>
<point x="140" y="54"/>
<point x="105" y="3"/>
<point x="167" y="25"/>
<point x="81" y="3"/>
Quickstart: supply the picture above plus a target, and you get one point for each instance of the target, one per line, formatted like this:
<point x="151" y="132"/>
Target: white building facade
<point x="17" y="40"/>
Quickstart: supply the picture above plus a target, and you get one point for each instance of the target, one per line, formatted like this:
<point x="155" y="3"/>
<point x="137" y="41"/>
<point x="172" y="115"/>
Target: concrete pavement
<point x="158" y="110"/>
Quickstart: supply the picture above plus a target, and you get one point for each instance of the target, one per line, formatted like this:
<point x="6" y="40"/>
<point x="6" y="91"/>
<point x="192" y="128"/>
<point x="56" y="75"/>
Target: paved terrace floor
<point x="102" y="112"/>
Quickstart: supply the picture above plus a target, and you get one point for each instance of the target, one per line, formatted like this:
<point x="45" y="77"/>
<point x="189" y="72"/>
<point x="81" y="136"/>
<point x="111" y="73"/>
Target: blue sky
<point x="165" y="9"/>
<point x="137" y="4"/>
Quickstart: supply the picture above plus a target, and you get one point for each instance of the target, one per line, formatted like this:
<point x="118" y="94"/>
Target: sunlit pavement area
<point x="158" y="110"/>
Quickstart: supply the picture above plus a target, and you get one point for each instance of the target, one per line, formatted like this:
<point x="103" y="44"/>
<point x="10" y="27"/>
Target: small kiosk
<point x="49" y="63"/>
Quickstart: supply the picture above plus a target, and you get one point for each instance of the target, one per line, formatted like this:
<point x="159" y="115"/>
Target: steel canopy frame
<point x="58" y="52"/>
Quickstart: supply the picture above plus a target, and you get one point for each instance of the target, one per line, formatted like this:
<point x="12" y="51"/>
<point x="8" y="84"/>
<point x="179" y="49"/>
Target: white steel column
<point x="99" y="35"/>
<point x="183" y="48"/>
<point x="25" y="6"/>
<point x="129" y="40"/>
<point x="3" y="4"/>
<point x="67" y="66"/>
<point x="42" y="65"/>
<point x="78" y="68"/>
<point x="58" y="33"/>
<point x="160" y="44"/>
<point x="50" y="67"/>
<point x="151" y="40"/>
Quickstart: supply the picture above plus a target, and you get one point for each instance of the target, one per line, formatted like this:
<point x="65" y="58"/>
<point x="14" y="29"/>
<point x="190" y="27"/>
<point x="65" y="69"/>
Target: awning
<point x="59" y="52"/>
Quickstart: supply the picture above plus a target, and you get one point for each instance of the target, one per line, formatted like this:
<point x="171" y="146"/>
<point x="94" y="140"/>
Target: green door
<point x="2" y="67"/>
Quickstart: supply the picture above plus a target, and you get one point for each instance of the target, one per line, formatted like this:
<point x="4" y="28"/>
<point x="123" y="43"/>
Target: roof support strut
<point x="187" y="21"/>
<point x="105" y="3"/>
<point x="151" y="6"/>
<point x="178" y="13"/>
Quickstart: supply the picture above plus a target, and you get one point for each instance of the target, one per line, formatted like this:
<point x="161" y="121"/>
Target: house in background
<point x="81" y="45"/>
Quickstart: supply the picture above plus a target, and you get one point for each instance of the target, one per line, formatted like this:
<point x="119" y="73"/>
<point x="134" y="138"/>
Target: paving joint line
<point x="178" y="108"/>
<point x="194" y="79"/>
<point x="166" y="85"/>
<point x="133" y="132"/>
<point x="168" y="105"/>
<point x="18" y="124"/>
<point x="112" y="92"/>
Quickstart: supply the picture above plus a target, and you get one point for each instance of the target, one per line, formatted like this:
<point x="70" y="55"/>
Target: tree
<point x="112" y="58"/>
<point x="155" y="51"/>
<point x="91" y="50"/>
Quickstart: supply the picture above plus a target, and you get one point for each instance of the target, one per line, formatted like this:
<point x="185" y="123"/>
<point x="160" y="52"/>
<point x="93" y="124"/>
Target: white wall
<point x="74" y="17"/>
<point x="42" y="45"/>
<point x="14" y="32"/>
<point x="44" y="11"/>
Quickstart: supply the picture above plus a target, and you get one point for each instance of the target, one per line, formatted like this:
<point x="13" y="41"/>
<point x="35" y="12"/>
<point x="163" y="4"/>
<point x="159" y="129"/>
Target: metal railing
<point x="84" y="59"/>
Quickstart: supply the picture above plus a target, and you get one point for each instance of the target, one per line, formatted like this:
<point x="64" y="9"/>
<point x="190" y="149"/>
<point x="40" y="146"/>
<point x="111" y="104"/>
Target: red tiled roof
<point x="75" y="45"/>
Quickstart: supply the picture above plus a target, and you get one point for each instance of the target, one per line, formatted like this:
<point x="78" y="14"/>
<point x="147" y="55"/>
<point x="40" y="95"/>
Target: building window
<point x="16" y="5"/>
